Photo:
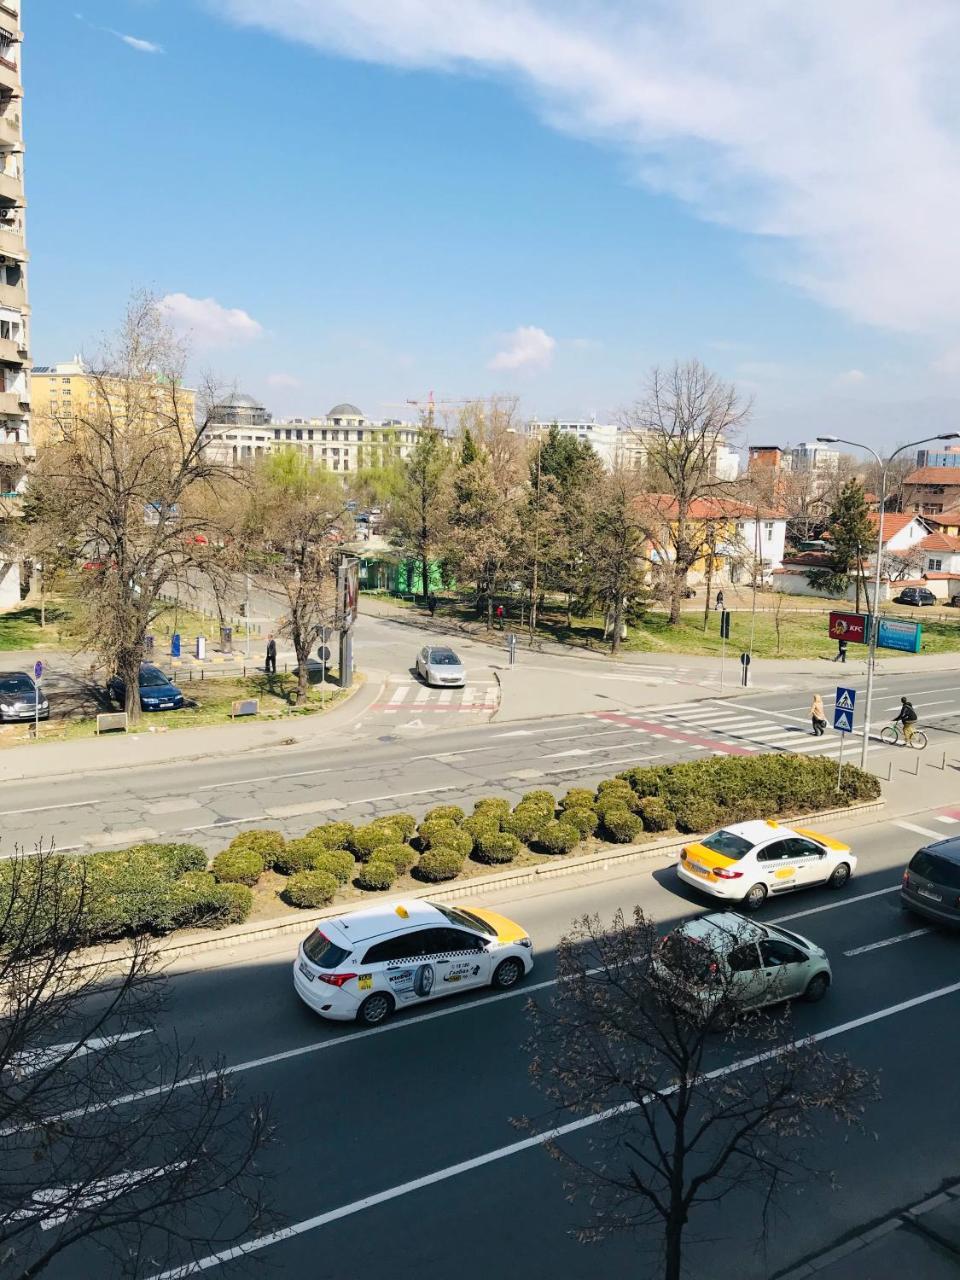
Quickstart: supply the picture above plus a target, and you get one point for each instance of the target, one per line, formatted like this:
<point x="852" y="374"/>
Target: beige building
<point x="344" y="441"/>
<point x="15" y="444"/>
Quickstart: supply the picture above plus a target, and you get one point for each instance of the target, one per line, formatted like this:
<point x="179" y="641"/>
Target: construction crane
<point x="427" y="408"/>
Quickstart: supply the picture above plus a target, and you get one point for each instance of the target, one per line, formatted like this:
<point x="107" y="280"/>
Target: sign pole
<point x="723" y="655"/>
<point x="843" y="737"/>
<point x="37" y="677"/>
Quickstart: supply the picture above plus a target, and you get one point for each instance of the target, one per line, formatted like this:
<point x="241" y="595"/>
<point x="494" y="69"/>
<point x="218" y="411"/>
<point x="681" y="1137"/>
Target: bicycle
<point x="893" y="734"/>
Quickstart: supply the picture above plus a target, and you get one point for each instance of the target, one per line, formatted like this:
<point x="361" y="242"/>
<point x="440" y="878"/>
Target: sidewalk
<point x="922" y="1242"/>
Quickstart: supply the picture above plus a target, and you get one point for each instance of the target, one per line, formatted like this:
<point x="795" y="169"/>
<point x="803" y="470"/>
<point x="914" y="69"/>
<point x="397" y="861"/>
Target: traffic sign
<point x="38" y="672"/>
<point x="725" y="624"/>
<point x="846" y="698"/>
<point x="745" y="659"/>
<point x="843" y="707"/>
<point x="843" y="720"/>
<point x="323" y="653"/>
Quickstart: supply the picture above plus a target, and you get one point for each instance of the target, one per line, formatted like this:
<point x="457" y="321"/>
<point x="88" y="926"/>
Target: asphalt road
<point x="411" y="769"/>
<point x="397" y="1148"/>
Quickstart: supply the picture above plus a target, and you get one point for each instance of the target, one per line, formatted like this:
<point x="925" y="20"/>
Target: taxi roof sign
<point x="403" y="913"/>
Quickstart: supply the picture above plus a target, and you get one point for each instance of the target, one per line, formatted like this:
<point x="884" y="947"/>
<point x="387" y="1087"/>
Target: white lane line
<point x="44" y="808"/>
<point x="888" y="942"/>
<point x="30" y="1062"/>
<point x="266" y="777"/>
<point x="526" y="1144"/>
<point x="920" y="831"/>
<point x="769" y="711"/>
<point x="943" y="817"/>
<point x="832" y="906"/>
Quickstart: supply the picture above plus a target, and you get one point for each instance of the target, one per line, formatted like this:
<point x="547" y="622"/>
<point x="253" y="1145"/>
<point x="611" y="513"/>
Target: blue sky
<point x="353" y="199"/>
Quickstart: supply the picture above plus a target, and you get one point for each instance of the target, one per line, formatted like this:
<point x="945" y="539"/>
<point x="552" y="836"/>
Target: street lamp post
<point x="874" y="613"/>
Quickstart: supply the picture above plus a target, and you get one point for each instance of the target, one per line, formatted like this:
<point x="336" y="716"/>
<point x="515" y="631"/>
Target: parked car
<point x="955" y="601"/>
<point x="931" y="882"/>
<point x="915" y="595"/>
<point x="157" y="692"/>
<point x="440" y="666"/>
<point x="18" y="698"/>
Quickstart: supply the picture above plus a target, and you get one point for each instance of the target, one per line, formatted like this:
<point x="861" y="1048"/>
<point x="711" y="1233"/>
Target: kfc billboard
<point x="852" y="627"/>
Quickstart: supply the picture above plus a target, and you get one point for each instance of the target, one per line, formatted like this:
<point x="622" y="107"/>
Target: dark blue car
<point x="157" y="693"/>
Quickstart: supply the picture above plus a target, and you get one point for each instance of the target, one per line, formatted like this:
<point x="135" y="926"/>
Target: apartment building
<point x="16" y="450"/>
<point x="345" y="440"/>
<point x="813" y="456"/>
<point x="931" y="490"/>
<point x="63" y="394"/>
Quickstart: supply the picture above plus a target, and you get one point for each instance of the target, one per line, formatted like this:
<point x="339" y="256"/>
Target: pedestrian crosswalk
<point x="728" y="729"/>
<point x="417" y="698"/>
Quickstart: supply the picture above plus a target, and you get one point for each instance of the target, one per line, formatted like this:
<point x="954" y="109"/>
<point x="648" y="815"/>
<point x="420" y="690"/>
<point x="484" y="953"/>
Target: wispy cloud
<point x="133" y="42"/>
<point x="207" y="323"/>
<point x="525" y="348"/>
<point x="829" y="129"/>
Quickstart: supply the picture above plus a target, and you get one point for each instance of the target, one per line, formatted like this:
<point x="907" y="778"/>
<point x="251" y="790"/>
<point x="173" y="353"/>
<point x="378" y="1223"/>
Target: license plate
<point x="164" y="705"/>
<point x="306" y="972"/>
<point x="697" y="868"/>
<point x="934" y="897"/>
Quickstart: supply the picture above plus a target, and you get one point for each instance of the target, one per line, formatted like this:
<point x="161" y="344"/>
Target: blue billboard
<point x="893" y="633"/>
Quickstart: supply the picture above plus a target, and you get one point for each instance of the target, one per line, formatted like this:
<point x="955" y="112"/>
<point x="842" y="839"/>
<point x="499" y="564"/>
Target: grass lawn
<point x="209" y="702"/>
<point x="20" y="628"/>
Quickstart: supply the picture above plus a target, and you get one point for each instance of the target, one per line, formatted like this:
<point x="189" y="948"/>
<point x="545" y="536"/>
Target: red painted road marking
<point x="950" y="813"/>
<point x="675" y="735"/>
<point x="419" y="707"/>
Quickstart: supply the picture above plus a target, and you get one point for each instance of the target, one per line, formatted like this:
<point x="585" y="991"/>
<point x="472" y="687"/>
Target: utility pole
<point x="535" y="583"/>
<point x="246" y="609"/>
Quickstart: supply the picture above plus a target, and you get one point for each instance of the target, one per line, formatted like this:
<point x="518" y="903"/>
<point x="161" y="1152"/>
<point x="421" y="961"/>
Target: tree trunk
<point x="708" y="587"/>
<point x="425" y="575"/>
<point x="128" y="669"/>
<point x="617" y="625"/>
<point x="672" y="1242"/>
<point x="676" y="593"/>
<point x="303" y="675"/>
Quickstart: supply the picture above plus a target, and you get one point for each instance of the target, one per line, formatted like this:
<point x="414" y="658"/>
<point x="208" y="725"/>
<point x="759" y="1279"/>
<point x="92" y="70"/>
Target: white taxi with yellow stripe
<point x="368" y="963"/>
<point x="749" y="861"/>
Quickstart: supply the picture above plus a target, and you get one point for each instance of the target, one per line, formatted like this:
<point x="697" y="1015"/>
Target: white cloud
<point x="207" y="323"/>
<point x="831" y="129"/>
<point x="141" y="46"/>
<point x="526" y="348"/>
<point x="852" y="378"/>
<point x="284" y="380"/>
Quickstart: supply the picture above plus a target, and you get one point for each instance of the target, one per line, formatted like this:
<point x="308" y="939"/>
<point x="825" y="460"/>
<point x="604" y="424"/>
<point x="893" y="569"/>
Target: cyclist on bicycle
<point x="907" y="717"/>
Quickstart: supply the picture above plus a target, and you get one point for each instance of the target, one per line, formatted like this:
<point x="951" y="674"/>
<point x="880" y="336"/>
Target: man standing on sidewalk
<point x="271" y="664"/>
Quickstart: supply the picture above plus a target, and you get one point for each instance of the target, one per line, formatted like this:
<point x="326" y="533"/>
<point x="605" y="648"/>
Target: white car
<point x="366" y="964"/>
<point x="748" y="861"/>
<point x="439" y="665"/>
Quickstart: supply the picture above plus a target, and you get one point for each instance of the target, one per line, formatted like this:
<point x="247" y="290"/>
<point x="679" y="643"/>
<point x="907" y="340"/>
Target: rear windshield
<point x="322" y="952"/>
<point x="933" y="866"/>
<point x="466" y="919"/>
<point x="727" y="843"/>
<point x="151" y="678"/>
<point x="444" y="658"/>
<point x="16" y="684"/>
<point x="687" y="958"/>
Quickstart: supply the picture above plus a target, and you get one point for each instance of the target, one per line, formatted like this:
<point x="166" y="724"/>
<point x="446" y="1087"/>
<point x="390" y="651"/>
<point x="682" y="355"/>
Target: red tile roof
<point x="665" y="504"/>
<point x="938" y="542"/>
<point x="893" y="522"/>
<point x="949" y="476"/>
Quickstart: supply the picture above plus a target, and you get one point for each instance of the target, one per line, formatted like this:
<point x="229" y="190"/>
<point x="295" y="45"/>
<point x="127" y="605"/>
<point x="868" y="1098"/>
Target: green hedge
<point x="481" y="824"/>
<point x="335" y="862"/>
<point x="267" y="843"/>
<point x="299" y="855"/>
<point x="584" y="821"/>
<point x="310" y="889"/>
<point x="494" y="806"/>
<point x="439" y="864"/>
<point x="400" y="856"/>
<point x="558" y="837"/>
<point x="376" y="874"/>
<point x="621" y="826"/>
<point x="238" y="866"/>
<point x="181" y="858"/>
<point x="654" y="814"/>
<point x="578" y="798"/>
<point x="526" y="822"/>
<point x="497" y="847"/>
<point x="445" y="813"/>
<point x="332" y="835"/>
<point x="365" y="841"/>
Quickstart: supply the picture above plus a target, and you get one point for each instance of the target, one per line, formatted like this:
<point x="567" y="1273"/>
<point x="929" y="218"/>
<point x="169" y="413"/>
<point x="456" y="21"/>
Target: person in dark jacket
<point x="271" y="663"/>
<point x="907" y="717"/>
<point x="720" y="600"/>
<point x="841" y="651"/>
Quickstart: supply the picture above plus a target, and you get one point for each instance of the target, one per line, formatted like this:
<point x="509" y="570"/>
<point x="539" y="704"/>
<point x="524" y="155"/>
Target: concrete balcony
<point x="12" y="405"/>
<point x="15" y="455"/>
<point x="9" y="75"/>
<point x="14" y="296"/>
<point x="11" y="129"/>
<point x="12" y="245"/>
<point x="11" y="352"/>
<point x="11" y="188"/>
<point x="10" y="12"/>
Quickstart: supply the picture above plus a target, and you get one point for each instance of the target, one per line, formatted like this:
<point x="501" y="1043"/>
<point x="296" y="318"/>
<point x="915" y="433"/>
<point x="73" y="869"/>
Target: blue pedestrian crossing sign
<point x="843" y="709"/>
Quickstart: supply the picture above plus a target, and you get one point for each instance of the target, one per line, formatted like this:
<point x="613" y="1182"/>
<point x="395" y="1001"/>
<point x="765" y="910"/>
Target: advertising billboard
<point x="894" y="633"/>
<point x="853" y="627"/>
<point x="348" y="591"/>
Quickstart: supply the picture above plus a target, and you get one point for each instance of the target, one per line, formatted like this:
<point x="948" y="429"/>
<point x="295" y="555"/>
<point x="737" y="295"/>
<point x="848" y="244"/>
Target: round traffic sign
<point x="745" y="659"/>
<point x="38" y="670"/>
<point x="323" y="653"/>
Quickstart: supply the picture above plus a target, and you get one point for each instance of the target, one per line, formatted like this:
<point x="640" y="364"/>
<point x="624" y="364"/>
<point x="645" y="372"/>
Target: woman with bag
<point x="817" y="716"/>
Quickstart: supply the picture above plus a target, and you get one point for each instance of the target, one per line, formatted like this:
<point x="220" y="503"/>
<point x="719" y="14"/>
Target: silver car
<point x="438" y="665"/>
<point x="726" y="956"/>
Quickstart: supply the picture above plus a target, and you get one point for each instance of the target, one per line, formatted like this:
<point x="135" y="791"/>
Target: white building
<point x="813" y="456"/>
<point x="726" y="462"/>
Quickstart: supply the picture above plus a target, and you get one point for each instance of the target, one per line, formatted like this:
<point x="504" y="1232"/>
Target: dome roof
<point x="345" y="411"/>
<point x="240" y="401"/>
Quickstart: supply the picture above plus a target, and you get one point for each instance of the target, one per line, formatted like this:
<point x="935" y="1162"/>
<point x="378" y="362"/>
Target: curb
<point x="611" y="858"/>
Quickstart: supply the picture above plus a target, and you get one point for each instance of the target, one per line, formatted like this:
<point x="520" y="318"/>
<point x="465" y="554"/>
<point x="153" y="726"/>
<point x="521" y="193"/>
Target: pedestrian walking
<point x="720" y="601"/>
<point x="500" y="616"/>
<point x="817" y="716"/>
<point x="271" y="664"/>
<point x="432" y="603"/>
<point x="841" y="651"/>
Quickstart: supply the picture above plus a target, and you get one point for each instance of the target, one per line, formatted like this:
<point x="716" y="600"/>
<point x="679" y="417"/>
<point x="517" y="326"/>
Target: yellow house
<point x="65" y="393"/>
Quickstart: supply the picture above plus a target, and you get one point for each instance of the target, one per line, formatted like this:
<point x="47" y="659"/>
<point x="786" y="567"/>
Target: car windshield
<point x="686" y="957"/>
<point x="933" y="866"/>
<point x="443" y="658"/>
<point x="466" y="919"/>
<point x="725" y="842"/>
<point x="322" y="952"/>
<point x="151" y="678"/>
<point x="15" y="684"/>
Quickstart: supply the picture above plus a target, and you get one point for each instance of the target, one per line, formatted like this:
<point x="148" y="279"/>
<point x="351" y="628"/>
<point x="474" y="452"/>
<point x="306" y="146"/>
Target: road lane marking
<point x="267" y="777"/>
<point x="30" y="1062"/>
<point x="889" y="942"/>
<point x="920" y="831"/>
<point x="534" y="1141"/>
<point x="45" y="808"/>
<point x="59" y="1204"/>
<point x="832" y="906"/>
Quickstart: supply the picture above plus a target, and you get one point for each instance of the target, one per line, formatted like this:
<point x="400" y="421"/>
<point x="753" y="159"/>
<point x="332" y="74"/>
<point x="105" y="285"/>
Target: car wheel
<point x="375" y="1009"/>
<point x="507" y="974"/>
<point x="841" y="874"/>
<point x="817" y="988"/>
<point x="755" y="897"/>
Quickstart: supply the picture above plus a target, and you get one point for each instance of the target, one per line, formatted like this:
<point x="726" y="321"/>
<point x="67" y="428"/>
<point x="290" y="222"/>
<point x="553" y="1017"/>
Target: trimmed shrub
<point x="445" y="813"/>
<point x="616" y="800"/>
<point x="698" y="815"/>
<point x="199" y="901"/>
<point x="237" y="866"/>
<point x="299" y="855"/>
<point x="332" y="835"/>
<point x="365" y="841"/>
<point x="128" y="891"/>
<point x="267" y="843"/>
<point x="335" y="862"/>
<point x="405" y="823"/>
<point x="655" y="814"/>
<point x="621" y="825"/>
<point x="481" y="824"/>
<point x="526" y="822"/>
<point x="447" y="835"/>
<point x="376" y="875"/>
<point x="179" y="857"/>
<point x="558" y="837"/>
<point x="439" y="864"/>
<point x="492" y="805"/>
<point x="310" y="889"/>
<point x="234" y="904"/>
<point x="578" y="798"/>
<point x="400" y="856"/>
<point x="583" y="821"/>
<point x="541" y="799"/>
<point x="497" y="847"/>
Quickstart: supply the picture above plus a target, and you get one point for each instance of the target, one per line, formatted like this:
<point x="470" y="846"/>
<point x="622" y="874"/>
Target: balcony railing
<point x="11" y="241"/>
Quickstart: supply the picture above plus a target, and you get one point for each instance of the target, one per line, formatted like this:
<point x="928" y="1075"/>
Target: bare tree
<point x="897" y="470"/>
<point x="484" y="524"/>
<point x="420" y="503"/>
<point x="109" y="1132"/>
<point x="616" y="563"/>
<point x="684" y="416"/>
<point x="128" y="485"/>
<point x="289" y="541"/>
<point x="640" y="1041"/>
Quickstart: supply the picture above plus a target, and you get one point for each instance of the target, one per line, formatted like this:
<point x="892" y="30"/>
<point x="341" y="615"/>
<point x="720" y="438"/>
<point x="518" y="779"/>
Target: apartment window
<point x="335" y="435"/>
<point x="935" y="564"/>
<point x="310" y="437"/>
<point x="299" y="434"/>
<point x="359" y="435"/>
<point x="289" y="434"/>
<point x="323" y="435"/>
<point x="276" y="435"/>
<point x="346" y="464"/>
<point x="66" y="380"/>
<point x="768" y="530"/>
